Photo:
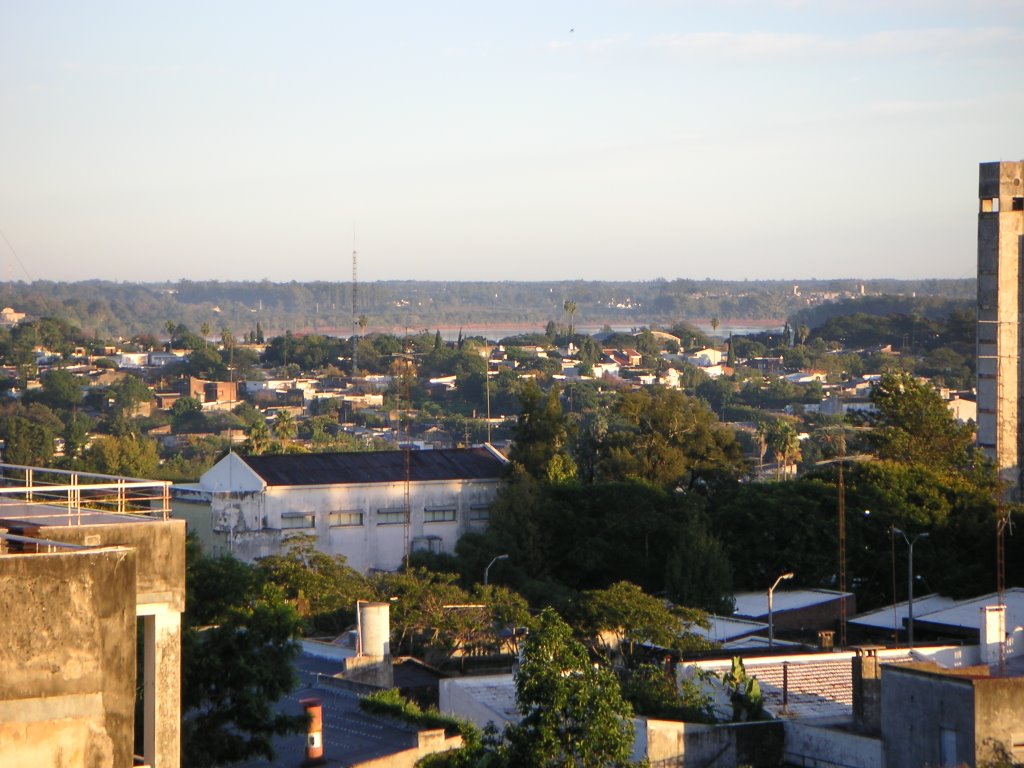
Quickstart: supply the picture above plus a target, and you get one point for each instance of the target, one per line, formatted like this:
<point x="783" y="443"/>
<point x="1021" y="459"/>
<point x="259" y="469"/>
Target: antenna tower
<point x="355" y="315"/>
<point x="1003" y="521"/>
<point x="842" y="539"/>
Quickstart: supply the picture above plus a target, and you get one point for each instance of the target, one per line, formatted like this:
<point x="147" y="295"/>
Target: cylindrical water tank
<point x="375" y="629"/>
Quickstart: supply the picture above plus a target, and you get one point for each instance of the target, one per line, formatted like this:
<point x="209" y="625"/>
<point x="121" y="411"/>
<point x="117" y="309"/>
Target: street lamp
<point x="910" y="581"/>
<point x="771" y="621"/>
<point x="488" y="568"/>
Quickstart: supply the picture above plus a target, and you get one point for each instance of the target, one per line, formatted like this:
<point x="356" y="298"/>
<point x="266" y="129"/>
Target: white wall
<point x="254" y="521"/>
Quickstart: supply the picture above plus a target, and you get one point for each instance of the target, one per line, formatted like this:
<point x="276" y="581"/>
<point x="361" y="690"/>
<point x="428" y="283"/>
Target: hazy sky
<point x="519" y="140"/>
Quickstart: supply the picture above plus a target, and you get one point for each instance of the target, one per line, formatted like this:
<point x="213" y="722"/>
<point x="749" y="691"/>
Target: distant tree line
<point x="106" y="309"/>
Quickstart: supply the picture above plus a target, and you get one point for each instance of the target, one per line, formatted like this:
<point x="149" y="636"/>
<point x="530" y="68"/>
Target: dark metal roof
<point x="376" y="467"/>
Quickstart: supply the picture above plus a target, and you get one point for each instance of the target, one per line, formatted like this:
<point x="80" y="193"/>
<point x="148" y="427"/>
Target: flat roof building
<point x="84" y="561"/>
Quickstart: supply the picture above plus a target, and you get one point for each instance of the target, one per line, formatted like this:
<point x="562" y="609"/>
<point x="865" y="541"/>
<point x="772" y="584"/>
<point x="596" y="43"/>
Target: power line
<point x="16" y="256"/>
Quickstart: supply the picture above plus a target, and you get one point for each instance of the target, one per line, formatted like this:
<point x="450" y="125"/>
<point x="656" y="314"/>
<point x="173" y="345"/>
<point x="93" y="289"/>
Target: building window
<point x="345" y="519"/>
<point x="393" y="516"/>
<point x="438" y="514"/>
<point x="1017" y="204"/>
<point x="479" y="511"/>
<point x="297" y="520"/>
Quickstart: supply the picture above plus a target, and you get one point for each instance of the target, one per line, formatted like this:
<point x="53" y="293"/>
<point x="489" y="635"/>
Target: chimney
<point x="867" y="688"/>
<point x="993" y="632"/>
<point x="314" y="732"/>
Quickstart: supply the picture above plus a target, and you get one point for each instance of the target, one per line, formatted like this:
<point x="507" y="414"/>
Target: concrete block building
<point x="1000" y="303"/>
<point x="373" y="508"/>
<point x="85" y="563"/>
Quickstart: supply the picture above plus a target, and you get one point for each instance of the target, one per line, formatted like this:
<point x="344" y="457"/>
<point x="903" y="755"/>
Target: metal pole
<point x="910" y="594"/>
<point x="359" y="629"/>
<point x="488" y="568"/>
<point x="771" y="620"/>
<point x="910" y="582"/>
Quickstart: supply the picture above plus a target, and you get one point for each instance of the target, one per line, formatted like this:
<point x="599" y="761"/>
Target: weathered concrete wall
<point x="998" y="719"/>
<point x="823" y="747"/>
<point x="1000" y="248"/>
<point x="671" y="744"/>
<point x="160" y="547"/>
<point x="918" y="704"/>
<point x="67" y="666"/>
<point x="198" y="517"/>
<point x="455" y="699"/>
<point x="426" y="743"/>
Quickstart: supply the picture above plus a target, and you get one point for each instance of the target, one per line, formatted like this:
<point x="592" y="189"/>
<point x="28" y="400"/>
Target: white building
<point x="705" y="358"/>
<point x="354" y="503"/>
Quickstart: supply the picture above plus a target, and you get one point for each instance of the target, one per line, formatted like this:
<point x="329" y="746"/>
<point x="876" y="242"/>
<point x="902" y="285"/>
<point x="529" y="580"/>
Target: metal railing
<point x="82" y="494"/>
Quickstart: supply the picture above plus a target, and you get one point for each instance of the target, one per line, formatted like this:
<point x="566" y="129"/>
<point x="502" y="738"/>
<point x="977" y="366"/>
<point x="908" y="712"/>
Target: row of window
<point x="387" y="516"/>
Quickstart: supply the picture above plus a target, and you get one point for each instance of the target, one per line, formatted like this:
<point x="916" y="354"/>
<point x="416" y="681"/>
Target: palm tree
<point x="570" y="310"/>
<point x="763" y="432"/>
<point x="205" y="330"/>
<point x="285" y="427"/>
<point x="259" y="439"/>
<point x="785" y="445"/>
<point x="803" y="333"/>
<point x="714" y="325"/>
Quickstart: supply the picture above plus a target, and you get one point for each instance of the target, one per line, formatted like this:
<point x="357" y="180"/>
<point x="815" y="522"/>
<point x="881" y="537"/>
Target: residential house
<point x="705" y="358"/>
<point x="213" y="393"/>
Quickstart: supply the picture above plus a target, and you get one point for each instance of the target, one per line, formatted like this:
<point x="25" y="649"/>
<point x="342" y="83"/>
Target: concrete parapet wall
<point x="671" y="744"/>
<point x="67" y="670"/>
<point x="823" y="747"/>
<point x="341" y="684"/>
<point x="427" y="743"/>
<point x="160" y="545"/>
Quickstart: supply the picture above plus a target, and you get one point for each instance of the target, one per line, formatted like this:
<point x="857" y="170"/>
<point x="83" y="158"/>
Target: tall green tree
<point x="129" y="456"/>
<point x="322" y="588"/>
<point x="665" y="437"/>
<point x="626" y="615"/>
<point x="542" y="435"/>
<point x="238" y="644"/>
<point x="915" y="426"/>
<point x="573" y="711"/>
<point x="61" y="389"/>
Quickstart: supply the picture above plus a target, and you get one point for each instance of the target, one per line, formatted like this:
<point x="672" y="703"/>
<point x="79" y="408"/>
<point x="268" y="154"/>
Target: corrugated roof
<point x="376" y="467"/>
<point x="723" y="629"/>
<point x="882" y="618"/>
<point x="966" y="614"/>
<point x="755" y="604"/>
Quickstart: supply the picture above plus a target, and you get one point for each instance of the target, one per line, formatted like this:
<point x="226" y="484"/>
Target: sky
<point x="604" y="140"/>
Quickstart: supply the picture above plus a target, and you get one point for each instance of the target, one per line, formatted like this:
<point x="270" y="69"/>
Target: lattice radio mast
<point x="842" y="540"/>
<point x="355" y="310"/>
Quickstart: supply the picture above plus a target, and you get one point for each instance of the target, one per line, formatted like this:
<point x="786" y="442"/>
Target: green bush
<point x="391" y="703"/>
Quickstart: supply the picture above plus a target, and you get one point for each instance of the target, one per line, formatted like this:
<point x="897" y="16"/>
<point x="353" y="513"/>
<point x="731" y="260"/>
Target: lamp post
<point x="488" y="568"/>
<point x="910" y="581"/>
<point x="771" y="620"/>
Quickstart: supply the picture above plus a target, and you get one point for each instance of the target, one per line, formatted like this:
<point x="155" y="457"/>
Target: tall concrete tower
<point x="1000" y="305"/>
